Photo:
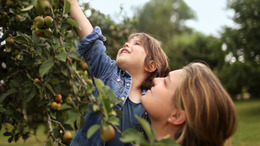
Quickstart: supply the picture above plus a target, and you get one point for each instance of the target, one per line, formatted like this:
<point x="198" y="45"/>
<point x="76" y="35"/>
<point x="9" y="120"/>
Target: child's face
<point x="132" y="55"/>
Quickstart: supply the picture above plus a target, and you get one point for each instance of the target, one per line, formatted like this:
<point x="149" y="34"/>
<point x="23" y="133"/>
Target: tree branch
<point x="51" y="134"/>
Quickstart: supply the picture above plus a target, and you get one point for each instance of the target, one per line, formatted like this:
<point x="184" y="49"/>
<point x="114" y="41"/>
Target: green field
<point x="247" y="134"/>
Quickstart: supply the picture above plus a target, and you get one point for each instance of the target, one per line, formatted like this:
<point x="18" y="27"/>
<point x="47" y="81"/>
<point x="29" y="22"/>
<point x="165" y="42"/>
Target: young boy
<point x="137" y="63"/>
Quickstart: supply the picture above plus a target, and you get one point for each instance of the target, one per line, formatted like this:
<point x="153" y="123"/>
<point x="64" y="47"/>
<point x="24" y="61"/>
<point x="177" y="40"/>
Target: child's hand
<point x="77" y="14"/>
<point x="72" y="2"/>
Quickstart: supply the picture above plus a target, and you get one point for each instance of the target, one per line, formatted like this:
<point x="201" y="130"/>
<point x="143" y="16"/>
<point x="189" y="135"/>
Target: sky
<point x="204" y="10"/>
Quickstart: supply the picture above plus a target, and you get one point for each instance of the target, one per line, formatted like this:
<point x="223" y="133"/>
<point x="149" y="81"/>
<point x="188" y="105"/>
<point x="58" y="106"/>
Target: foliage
<point x="164" y="19"/>
<point x="243" y="47"/>
<point x="42" y="77"/>
<point x="195" y="46"/>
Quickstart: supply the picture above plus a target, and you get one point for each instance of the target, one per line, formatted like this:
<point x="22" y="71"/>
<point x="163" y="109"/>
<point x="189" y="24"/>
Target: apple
<point x="111" y="27"/>
<point x="69" y="100"/>
<point x="107" y="133"/>
<point x="9" y="3"/>
<point x="41" y="6"/>
<point x="5" y="15"/>
<point x="126" y="31"/>
<point x="58" y="98"/>
<point x="58" y="105"/>
<point x="36" y="80"/>
<point x="9" y="40"/>
<point x="48" y="21"/>
<point x="54" y="106"/>
<point x="67" y="137"/>
<point x="89" y="82"/>
<point x="84" y="65"/>
<point x="39" y="21"/>
<point x="18" y="18"/>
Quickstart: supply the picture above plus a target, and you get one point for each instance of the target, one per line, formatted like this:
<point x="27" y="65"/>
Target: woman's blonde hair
<point x="155" y="53"/>
<point x="210" y="111"/>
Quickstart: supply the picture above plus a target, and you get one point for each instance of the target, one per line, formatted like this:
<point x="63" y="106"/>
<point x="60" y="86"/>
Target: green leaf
<point x="75" y="88"/>
<point x="54" y="81"/>
<point x="23" y="36"/>
<point x="166" y="142"/>
<point x="10" y="139"/>
<point x="84" y="107"/>
<point x="71" y="116"/>
<point x="73" y="23"/>
<point x="147" y="128"/>
<point x="111" y="96"/>
<point x="35" y="38"/>
<point x="50" y="88"/>
<point x="62" y="55"/>
<point x="21" y="40"/>
<point x="132" y="135"/>
<point x="15" y="83"/>
<point x="98" y="82"/>
<point x="106" y="107"/>
<point x="64" y="106"/>
<point x="9" y="92"/>
<point x="31" y="95"/>
<point x="66" y="7"/>
<point x="27" y="8"/>
<point x="46" y="66"/>
<point x="105" y="91"/>
<point x="74" y="55"/>
<point x="2" y="109"/>
<point x="80" y="122"/>
<point x="114" y="121"/>
<point x="95" y="108"/>
<point x="7" y="134"/>
<point x="28" y="75"/>
<point x="93" y="129"/>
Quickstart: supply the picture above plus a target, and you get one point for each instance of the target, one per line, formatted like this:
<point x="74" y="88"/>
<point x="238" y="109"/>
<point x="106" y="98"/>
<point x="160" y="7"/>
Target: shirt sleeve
<point x="92" y="48"/>
<point x="86" y="43"/>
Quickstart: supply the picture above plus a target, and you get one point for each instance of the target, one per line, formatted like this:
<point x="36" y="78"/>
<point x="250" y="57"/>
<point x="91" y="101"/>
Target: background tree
<point x="195" y="46"/>
<point x="243" y="47"/>
<point x="164" y="19"/>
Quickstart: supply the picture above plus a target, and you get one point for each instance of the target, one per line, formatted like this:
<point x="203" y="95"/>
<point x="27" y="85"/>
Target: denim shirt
<point x="101" y="66"/>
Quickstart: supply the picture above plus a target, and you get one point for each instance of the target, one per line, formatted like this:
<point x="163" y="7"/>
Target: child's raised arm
<point x="77" y="14"/>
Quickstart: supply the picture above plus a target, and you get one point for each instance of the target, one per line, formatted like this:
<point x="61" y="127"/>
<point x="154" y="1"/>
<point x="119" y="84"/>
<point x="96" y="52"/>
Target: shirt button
<point x="128" y="84"/>
<point x="123" y="98"/>
<point x="118" y="80"/>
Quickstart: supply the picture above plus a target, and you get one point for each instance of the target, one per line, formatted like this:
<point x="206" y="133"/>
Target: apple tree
<point x="43" y="78"/>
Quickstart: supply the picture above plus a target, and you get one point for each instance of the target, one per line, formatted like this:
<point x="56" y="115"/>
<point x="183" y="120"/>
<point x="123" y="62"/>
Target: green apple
<point x="41" y="6"/>
<point x="48" y="21"/>
<point x="39" y="21"/>
<point x="107" y="133"/>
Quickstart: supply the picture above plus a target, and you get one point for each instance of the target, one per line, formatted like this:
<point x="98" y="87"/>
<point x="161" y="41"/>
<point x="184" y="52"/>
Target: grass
<point x="33" y="140"/>
<point x="248" y="131"/>
<point x="247" y="134"/>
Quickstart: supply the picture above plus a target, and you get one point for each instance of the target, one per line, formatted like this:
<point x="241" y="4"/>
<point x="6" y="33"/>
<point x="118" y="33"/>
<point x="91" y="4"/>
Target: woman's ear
<point x="177" y="118"/>
<point x="152" y="67"/>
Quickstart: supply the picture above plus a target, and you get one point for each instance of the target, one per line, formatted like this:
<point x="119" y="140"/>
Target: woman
<point x="192" y="107"/>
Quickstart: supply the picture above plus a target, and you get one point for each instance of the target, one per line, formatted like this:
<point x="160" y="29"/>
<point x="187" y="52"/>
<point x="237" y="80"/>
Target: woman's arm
<point x="77" y="14"/>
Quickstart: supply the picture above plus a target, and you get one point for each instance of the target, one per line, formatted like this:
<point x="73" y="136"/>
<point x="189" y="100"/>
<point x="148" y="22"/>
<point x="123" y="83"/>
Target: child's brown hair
<point x="155" y="53"/>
